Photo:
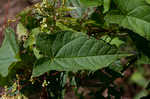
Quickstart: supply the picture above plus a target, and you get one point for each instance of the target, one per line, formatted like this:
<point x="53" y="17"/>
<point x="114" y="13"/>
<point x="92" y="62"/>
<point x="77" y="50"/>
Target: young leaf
<point x="21" y="31"/>
<point x="73" y="52"/>
<point x="8" y="51"/>
<point x="113" y="41"/>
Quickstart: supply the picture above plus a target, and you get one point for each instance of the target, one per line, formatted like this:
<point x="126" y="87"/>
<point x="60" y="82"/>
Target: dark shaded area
<point x="141" y="43"/>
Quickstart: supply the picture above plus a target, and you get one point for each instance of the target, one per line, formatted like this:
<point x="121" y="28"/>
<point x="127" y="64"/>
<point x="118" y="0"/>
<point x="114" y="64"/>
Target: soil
<point x="9" y="9"/>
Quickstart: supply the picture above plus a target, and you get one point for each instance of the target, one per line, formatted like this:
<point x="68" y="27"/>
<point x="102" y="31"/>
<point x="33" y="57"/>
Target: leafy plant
<point x="67" y="45"/>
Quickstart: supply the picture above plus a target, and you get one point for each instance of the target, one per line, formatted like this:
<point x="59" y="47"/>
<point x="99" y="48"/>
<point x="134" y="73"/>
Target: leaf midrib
<point x="115" y="55"/>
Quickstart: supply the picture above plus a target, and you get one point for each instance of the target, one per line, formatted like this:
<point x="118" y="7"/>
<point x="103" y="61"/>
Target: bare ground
<point x="9" y="10"/>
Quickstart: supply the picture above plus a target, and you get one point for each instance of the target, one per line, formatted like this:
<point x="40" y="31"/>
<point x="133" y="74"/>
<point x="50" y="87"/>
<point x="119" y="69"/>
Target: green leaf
<point x="116" y="41"/>
<point x="139" y="79"/>
<point x="44" y="43"/>
<point x="63" y="27"/>
<point x="92" y="3"/>
<point x="31" y="39"/>
<point x="8" y="51"/>
<point x="75" y="51"/>
<point x="37" y="53"/>
<point x="21" y="31"/>
<point x="116" y="66"/>
<point x="106" y="5"/>
<point x="148" y="1"/>
<point x="143" y="60"/>
<point x="41" y="66"/>
<point x="141" y="94"/>
<point x="113" y="41"/>
<point x="134" y="15"/>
